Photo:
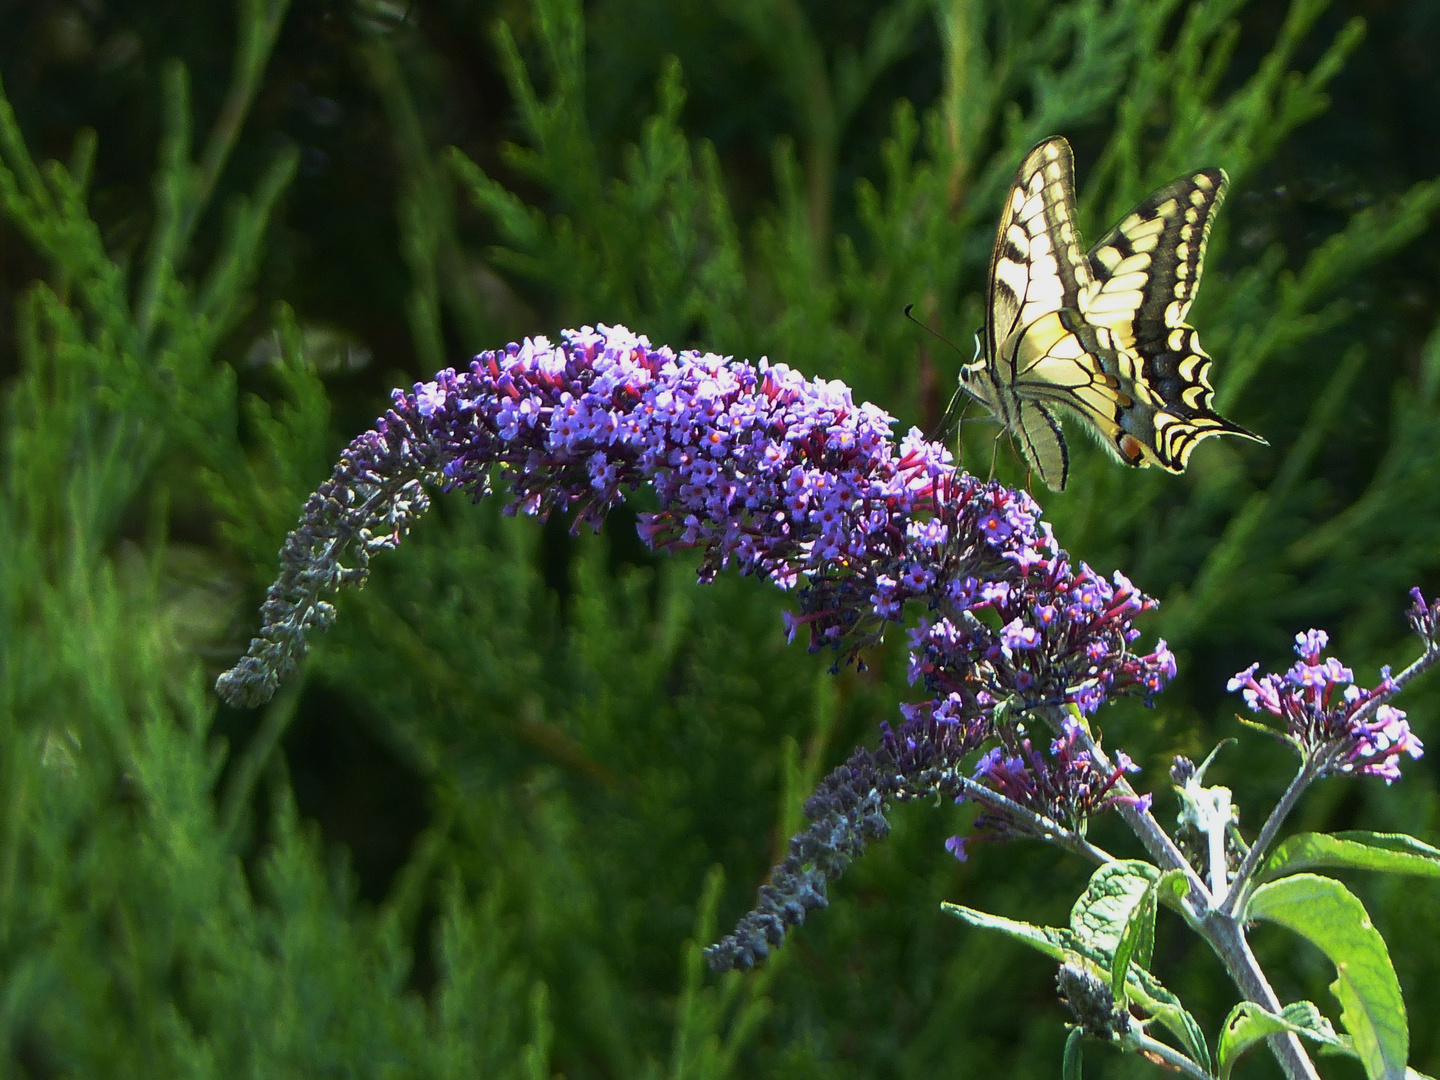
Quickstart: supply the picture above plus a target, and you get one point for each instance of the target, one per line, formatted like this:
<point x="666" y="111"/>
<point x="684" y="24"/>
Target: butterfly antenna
<point x="958" y="400"/>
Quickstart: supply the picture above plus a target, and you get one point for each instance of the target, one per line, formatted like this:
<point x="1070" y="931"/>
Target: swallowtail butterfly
<point x="1101" y="335"/>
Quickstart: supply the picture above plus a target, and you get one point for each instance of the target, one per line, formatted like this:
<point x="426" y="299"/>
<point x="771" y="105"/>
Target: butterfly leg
<point x="942" y="427"/>
<point x="995" y="452"/>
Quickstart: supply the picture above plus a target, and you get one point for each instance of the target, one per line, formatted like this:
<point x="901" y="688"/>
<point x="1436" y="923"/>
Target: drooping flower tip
<point x="846" y="813"/>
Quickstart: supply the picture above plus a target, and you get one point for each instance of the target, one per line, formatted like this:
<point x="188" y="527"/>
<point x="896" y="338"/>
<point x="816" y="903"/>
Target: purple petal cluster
<point x="753" y="464"/>
<point x="757" y="466"/>
<point x="1064" y="786"/>
<point x="1327" y="717"/>
<point x="760" y="469"/>
<point x="1035" y="632"/>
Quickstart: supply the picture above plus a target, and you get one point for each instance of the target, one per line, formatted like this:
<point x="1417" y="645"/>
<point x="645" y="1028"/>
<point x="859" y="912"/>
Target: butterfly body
<point x="1101" y="335"/>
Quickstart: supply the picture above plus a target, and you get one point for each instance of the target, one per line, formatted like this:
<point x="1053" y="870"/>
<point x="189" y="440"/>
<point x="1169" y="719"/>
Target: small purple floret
<point x="1064" y="786"/>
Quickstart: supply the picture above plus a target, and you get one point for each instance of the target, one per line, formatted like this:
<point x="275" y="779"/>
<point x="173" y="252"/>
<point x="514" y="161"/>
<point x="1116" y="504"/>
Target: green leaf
<point x="1330" y="916"/>
<point x="1050" y="941"/>
<point x="1174" y="884"/>
<point x="1137" y="941"/>
<point x="1358" y="850"/>
<point x="1249" y="1023"/>
<point x="1156" y="1002"/>
<point x="1071" y="1062"/>
<point x="1103" y="911"/>
<point x="1100" y="920"/>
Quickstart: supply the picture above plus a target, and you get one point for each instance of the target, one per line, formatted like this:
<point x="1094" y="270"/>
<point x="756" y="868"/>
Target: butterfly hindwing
<point x="1103" y="334"/>
<point x="1037" y="430"/>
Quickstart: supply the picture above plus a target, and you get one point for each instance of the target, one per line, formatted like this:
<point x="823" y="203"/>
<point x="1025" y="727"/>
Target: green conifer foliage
<point x="606" y="758"/>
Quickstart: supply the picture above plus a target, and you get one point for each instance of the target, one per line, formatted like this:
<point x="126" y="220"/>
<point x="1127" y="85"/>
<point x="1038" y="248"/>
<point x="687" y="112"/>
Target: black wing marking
<point x="1038" y="432"/>
<point x="1061" y="359"/>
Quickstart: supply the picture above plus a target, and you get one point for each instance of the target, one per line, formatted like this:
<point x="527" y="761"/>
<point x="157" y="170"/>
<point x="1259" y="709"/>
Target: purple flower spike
<point x="775" y="475"/>
<point x="757" y="467"/>
<point x="1328" y="726"/>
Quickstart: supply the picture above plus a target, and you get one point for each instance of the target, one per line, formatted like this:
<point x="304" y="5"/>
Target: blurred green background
<point x="528" y="774"/>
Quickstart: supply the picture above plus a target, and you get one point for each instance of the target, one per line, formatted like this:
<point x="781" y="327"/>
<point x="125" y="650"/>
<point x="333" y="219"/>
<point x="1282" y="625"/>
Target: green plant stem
<point x="1215" y="843"/>
<point x="1240" y="890"/>
<point x="1175" y="1060"/>
<point x="1219" y="929"/>
<point x="1426" y="661"/>
<point x="1156" y="840"/>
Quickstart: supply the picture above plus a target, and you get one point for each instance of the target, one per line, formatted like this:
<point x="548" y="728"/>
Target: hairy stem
<point x="1226" y="937"/>
<point x="1241" y="890"/>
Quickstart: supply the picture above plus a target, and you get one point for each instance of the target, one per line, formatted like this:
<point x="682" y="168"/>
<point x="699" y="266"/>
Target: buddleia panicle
<point x="772" y="474"/>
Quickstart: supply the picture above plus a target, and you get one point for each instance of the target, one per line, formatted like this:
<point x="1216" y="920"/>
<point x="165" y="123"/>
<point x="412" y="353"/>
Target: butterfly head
<point x="977" y="380"/>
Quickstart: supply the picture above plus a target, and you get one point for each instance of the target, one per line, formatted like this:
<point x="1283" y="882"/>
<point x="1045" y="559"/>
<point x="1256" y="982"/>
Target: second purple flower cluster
<point x="1327" y="717"/>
